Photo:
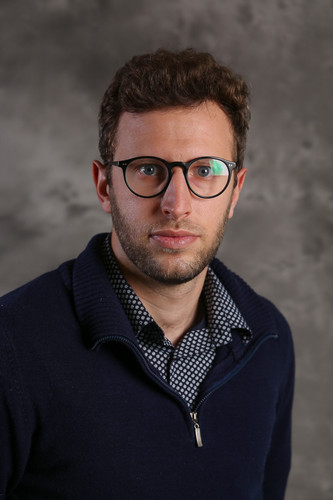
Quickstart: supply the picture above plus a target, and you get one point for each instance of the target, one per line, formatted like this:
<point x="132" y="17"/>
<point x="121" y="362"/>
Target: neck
<point x="175" y="308"/>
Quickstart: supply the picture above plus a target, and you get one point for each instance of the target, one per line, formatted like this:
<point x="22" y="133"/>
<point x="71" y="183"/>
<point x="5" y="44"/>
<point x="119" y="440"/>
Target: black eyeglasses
<point x="149" y="176"/>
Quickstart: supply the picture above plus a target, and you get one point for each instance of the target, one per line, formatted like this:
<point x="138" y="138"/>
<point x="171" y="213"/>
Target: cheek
<point x="216" y="211"/>
<point x="140" y="208"/>
<point x="213" y="225"/>
<point x="136" y="211"/>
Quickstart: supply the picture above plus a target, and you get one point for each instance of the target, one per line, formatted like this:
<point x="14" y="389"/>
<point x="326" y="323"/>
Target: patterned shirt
<point x="185" y="366"/>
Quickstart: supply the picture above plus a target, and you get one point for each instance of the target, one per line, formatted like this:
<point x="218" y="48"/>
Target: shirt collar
<point x="222" y="314"/>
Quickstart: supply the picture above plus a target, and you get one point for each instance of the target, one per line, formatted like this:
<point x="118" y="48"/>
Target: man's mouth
<point x="173" y="239"/>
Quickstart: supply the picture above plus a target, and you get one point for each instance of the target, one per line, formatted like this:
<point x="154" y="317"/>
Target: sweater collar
<point x="256" y="310"/>
<point x="222" y="315"/>
<point x="102" y="316"/>
<point x="98" y="308"/>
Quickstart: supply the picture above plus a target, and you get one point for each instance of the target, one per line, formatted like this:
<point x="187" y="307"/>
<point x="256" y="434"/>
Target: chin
<point x="175" y="273"/>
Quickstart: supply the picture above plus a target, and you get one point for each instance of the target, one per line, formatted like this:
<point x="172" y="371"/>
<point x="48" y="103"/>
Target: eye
<point x="204" y="171"/>
<point x="149" y="169"/>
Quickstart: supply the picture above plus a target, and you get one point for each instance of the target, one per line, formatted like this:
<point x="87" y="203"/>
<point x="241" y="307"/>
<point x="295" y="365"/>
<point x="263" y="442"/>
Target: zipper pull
<point x="194" y="417"/>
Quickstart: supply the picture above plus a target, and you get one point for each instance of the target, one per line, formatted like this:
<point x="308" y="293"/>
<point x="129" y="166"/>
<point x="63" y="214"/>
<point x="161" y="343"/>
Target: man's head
<point x="177" y="107"/>
<point x="163" y="80"/>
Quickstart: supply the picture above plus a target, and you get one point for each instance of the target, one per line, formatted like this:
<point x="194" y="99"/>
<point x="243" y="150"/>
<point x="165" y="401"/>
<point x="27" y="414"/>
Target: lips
<point x="173" y="239"/>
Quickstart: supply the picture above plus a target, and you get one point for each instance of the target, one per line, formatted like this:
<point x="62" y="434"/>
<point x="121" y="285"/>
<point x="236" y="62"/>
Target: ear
<point x="236" y="192"/>
<point x="102" y="185"/>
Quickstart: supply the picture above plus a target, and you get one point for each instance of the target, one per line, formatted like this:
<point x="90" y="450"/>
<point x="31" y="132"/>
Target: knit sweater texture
<point x="84" y="415"/>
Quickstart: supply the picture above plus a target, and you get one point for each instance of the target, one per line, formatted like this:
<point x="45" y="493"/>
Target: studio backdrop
<point x="58" y="57"/>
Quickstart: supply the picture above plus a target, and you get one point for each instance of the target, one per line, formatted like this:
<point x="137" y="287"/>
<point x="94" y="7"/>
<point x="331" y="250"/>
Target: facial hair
<point x="135" y="244"/>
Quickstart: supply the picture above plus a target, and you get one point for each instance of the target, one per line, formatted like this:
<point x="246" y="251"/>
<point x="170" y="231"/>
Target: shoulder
<point x="29" y="313"/>
<point x="38" y="291"/>
<point x="50" y="296"/>
<point x="51" y="285"/>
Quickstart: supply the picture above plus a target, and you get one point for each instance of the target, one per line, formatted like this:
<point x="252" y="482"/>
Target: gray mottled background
<point x="57" y="57"/>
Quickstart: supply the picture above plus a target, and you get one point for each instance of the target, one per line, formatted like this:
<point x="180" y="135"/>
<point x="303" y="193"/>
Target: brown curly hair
<point x="165" y="79"/>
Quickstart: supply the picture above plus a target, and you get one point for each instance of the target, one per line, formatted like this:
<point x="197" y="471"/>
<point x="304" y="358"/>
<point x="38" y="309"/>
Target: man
<point x="145" y="368"/>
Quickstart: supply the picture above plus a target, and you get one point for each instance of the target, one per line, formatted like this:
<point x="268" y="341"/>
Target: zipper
<point x="197" y="432"/>
<point x="138" y="352"/>
<point x="194" y="414"/>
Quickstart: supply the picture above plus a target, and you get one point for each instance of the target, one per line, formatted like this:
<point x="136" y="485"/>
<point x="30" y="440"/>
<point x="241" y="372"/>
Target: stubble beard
<point x="137" y="250"/>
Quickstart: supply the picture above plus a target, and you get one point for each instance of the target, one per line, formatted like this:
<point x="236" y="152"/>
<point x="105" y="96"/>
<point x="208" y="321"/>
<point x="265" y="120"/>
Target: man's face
<point x="173" y="237"/>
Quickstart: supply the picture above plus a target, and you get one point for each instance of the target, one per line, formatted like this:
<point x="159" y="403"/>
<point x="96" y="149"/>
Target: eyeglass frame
<point x="123" y="164"/>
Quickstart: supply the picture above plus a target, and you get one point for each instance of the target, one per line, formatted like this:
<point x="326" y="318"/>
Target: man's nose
<point x="177" y="199"/>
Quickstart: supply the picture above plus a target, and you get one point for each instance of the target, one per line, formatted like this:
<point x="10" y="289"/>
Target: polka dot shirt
<point x="185" y="366"/>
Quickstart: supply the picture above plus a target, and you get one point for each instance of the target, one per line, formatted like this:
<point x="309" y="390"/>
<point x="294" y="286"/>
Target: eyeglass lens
<point x="148" y="177"/>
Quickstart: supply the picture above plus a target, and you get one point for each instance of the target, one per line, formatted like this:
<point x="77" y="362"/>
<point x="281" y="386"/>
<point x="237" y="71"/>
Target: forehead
<point x="175" y="133"/>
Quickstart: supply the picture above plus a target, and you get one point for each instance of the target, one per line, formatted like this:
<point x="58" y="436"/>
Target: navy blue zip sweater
<point x="83" y="415"/>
